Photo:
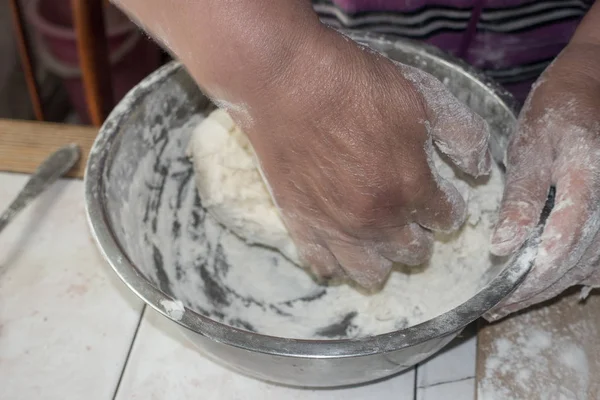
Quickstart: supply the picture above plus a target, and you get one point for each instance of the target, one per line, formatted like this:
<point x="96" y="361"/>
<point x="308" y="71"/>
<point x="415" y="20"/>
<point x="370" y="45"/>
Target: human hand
<point x="557" y="143"/>
<point x="345" y="139"/>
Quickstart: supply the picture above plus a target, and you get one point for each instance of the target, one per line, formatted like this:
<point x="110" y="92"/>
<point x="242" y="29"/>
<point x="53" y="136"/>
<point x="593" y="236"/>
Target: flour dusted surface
<point x="532" y="356"/>
<point x="282" y="300"/>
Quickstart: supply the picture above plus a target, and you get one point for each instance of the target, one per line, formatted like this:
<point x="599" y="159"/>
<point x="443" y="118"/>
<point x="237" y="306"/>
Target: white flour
<point x="232" y="188"/>
<point x="174" y="309"/>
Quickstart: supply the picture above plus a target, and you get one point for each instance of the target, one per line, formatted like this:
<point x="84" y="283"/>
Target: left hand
<point x="557" y="143"/>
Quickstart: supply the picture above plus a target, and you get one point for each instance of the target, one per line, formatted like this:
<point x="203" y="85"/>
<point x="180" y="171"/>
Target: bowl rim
<point x="450" y="322"/>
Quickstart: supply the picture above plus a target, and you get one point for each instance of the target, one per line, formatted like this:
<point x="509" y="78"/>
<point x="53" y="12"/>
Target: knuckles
<point x="383" y="206"/>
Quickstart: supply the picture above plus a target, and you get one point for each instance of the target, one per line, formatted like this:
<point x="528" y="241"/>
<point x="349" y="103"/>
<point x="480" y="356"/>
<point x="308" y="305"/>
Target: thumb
<point x="528" y="181"/>
<point x="463" y="136"/>
<point x="458" y="132"/>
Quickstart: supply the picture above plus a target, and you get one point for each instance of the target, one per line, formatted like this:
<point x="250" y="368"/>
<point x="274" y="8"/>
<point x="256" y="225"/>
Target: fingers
<point x="320" y="260"/>
<point x="591" y="263"/>
<point x="593" y="280"/>
<point x="370" y="264"/>
<point x="363" y="264"/>
<point x="411" y="245"/>
<point x="569" y="250"/>
<point x="520" y="210"/>
<point x="583" y="274"/>
<point x="444" y="211"/>
<point x="528" y="181"/>
<point x="367" y="263"/>
<point x="463" y="136"/>
<point x="457" y="131"/>
<point x="573" y="223"/>
<point x="444" y="208"/>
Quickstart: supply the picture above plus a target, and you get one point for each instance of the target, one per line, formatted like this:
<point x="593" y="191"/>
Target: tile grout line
<point x="479" y="324"/>
<point x="445" y="382"/>
<point x="137" y="329"/>
<point x="415" y="383"/>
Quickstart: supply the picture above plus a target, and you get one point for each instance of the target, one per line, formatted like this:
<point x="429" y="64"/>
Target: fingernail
<point x="485" y="165"/>
<point x="506" y="239"/>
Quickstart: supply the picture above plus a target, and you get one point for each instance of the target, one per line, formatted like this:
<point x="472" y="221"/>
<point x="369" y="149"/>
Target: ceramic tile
<point x="454" y="363"/>
<point x="66" y="325"/>
<point x="458" y="390"/>
<point x="163" y="365"/>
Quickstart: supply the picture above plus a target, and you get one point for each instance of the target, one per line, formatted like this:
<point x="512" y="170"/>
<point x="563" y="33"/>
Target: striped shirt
<point x="513" y="41"/>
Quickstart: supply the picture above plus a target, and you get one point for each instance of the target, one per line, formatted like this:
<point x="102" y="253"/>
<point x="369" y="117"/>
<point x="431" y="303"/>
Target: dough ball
<point x="231" y="186"/>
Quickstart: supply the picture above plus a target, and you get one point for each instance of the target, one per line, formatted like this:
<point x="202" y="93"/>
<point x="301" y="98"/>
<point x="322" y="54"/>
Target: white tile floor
<point x="456" y="363"/>
<point x="461" y="389"/>
<point x="183" y="372"/>
<point x="64" y="328"/>
<point x="69" y="330"/>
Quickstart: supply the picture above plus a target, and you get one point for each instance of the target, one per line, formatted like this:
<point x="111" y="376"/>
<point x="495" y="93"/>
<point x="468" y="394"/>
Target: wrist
<point x="249" y="58"/>
<point x="588" y="31"/>
<point x="578" y="64"/>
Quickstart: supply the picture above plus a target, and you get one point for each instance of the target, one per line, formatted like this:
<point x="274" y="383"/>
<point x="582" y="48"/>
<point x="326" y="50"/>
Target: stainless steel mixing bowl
<point x="127" y="214"/>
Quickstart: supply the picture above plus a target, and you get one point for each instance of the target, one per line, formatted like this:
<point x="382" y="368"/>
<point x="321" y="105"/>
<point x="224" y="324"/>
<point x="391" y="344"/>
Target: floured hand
<point x="344" y="140"/>
<point x="343" y="135"/>
<point x="557" y="144"/>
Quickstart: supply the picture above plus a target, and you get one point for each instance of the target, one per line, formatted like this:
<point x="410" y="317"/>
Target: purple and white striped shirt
<point x="511" y="40"/>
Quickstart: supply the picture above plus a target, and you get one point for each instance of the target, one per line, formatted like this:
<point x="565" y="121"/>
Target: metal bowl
<point x="139" y="156"/>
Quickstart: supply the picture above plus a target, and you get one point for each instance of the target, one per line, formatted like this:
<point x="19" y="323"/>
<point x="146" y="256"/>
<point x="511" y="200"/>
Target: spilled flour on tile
<point x="534" y="360"/>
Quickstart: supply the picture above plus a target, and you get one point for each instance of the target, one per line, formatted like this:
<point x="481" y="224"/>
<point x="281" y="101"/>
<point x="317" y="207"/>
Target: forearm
<point x="577" y="65"/>
<point x="233" y="48"/>
<point x="588" y="31"/>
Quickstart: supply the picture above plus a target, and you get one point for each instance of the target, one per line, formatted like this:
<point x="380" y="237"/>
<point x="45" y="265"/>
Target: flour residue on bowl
<point x="173" y="308"/>
<point x="191" y="257"/>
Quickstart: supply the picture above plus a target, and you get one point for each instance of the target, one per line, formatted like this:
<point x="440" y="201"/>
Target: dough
<point x="231" y="186"/>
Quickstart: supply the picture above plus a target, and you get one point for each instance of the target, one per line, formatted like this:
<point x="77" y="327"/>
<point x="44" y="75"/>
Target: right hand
<point x="556" y="144"/>
<point x="345" y="137"/>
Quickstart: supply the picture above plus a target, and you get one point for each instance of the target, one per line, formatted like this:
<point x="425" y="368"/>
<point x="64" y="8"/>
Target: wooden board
<point x="551" y="352"/>
<point x="24" y="145"/>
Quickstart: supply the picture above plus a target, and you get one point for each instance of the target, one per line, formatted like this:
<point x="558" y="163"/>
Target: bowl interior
<point x="157" y="217"/>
